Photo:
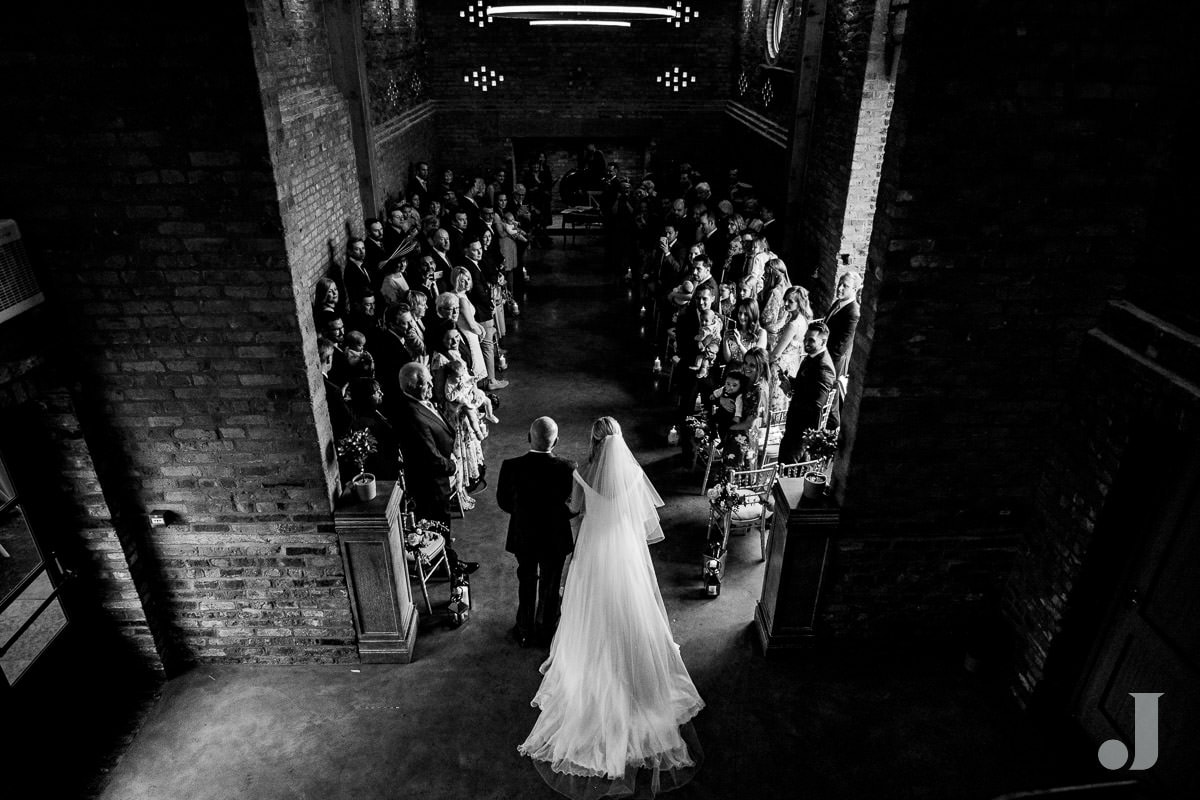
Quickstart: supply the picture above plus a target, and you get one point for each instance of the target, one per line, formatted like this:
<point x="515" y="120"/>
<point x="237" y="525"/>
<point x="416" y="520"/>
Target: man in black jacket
<point x="811" y="386"/>
<point x="535" y="490"/>
<point x="842" y="320"/>
<point x="427" y="444"/>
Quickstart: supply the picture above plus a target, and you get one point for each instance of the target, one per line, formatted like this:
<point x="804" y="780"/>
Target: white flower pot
<point x="364" y="486"/>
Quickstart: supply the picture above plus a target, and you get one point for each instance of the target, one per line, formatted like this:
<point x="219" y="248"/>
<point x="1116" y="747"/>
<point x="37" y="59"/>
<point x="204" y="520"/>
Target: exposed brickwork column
<point x="181" y="260"/>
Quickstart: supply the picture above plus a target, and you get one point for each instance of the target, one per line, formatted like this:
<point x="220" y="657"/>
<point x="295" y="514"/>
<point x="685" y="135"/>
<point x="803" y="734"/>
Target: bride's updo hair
<point x="601" y="428"/>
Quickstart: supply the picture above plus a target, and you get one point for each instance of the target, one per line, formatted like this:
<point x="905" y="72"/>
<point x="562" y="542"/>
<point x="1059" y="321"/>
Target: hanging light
<point x="595" y="23"/>
<point x="583" y="13"/>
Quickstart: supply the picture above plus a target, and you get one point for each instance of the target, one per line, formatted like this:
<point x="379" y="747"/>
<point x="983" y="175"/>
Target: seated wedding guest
<point x="797" y="314"/>
<point x="427" y="443"/>
<point x="746" y="335"/>
<point x="365" y="397"/>
<point x="813" y="382"/>
<point x="339" y="411"/>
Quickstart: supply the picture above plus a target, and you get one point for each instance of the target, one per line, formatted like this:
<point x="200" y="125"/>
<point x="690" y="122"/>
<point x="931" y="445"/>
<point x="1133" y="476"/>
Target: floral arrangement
<point x="820" y="442"/>
<point x="358" y="446"/>
<point x="725" y="497"/>
<point x="424" y="531"/>
<point x="700" y="435"/>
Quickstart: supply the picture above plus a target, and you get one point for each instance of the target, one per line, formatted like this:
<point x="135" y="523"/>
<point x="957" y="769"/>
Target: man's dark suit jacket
<point x="534" y="489"/>
<point x="427" y="443"/>
<point x="358" y="280"/>
<point x="391" y="353"/>
<point x="445" y="265"/>
<point x="773" y="233"/>
<point x="375" y="256"/>
<point x="810" y="389"/>
<point x="842" y="323"/>
<point x="416" y="187"/>
<point x="339" y="411"/>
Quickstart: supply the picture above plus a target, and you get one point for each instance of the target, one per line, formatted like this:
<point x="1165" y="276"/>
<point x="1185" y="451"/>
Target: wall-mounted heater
<point x="19" y="290"/>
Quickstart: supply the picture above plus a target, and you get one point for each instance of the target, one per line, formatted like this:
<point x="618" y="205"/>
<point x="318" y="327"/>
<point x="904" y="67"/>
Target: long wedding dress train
<point x="616" y="697"/>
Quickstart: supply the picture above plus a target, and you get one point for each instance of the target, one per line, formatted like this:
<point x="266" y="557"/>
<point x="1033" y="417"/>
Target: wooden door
<point x="1151" y="640"/>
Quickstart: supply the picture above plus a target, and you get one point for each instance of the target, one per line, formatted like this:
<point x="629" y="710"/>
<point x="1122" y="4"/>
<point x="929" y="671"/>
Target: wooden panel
<point x="370" y="589"/>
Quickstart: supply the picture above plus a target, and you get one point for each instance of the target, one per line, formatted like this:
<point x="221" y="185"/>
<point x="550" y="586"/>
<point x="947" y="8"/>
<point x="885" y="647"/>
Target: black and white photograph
<point x="707" y="399"/>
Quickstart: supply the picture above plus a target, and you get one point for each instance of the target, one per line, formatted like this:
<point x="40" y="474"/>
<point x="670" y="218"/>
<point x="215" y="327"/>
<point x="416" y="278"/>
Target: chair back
<point x="799" y="469"/>
<point x="759" y="480"/>
<point x="827" y="407"/>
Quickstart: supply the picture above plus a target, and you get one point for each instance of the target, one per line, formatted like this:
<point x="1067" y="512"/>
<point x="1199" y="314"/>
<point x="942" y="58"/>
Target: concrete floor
<point x="902" y="722"/>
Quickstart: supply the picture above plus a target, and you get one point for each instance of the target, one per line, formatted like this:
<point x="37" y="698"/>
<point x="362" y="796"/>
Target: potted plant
<point x="358" y="446"/>
<point x="820" y="444"/>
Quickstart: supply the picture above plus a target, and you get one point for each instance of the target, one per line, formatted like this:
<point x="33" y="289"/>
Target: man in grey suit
<point x="535" y="490"/>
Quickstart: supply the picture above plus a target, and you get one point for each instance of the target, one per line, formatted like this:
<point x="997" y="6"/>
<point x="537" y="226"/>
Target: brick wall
<point x="1136" y="400"/>
<point x="402" y="142"/>
<point x="42" y="440"/>
<point x="841" y="89"/>
<point x="561" y="83"/>
<point x="1005" y="222"/>
<point x="177" y="267"/>
<point x="402" y="114"/>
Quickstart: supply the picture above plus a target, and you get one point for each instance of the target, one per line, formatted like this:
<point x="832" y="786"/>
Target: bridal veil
<point x="615" y="697"/>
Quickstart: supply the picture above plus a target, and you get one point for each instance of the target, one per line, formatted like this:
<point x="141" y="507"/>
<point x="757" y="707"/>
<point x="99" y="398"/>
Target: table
<point x="587" y="216"/>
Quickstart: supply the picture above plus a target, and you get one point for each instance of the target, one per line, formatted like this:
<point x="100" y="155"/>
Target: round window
<point x="781" y="12"/>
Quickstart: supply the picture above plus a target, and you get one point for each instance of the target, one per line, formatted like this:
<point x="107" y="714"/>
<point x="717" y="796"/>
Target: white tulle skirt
<point x="616" y="697"/>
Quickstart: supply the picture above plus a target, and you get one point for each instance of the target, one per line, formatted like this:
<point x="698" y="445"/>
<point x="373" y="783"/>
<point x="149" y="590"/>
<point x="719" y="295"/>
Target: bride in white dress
<point x="616" y="698"/>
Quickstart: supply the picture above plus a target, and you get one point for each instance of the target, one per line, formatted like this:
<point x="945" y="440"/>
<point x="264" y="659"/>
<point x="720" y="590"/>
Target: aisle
<point x="833" y="724"/>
